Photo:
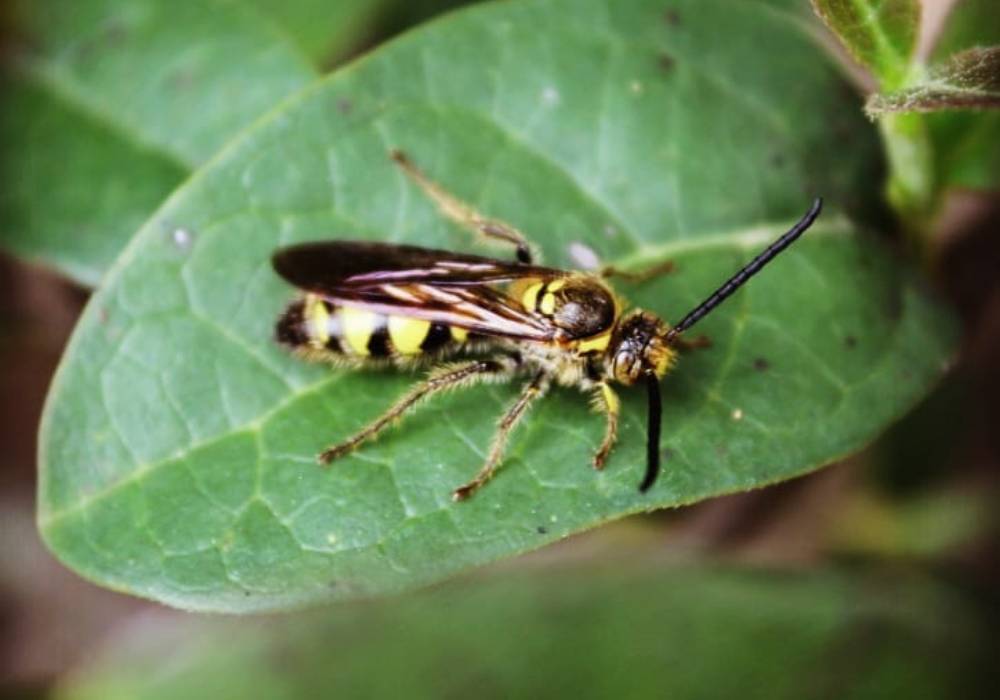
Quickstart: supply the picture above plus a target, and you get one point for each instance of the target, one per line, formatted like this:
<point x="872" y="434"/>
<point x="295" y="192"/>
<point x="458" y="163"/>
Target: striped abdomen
<point x="316" y="324"/>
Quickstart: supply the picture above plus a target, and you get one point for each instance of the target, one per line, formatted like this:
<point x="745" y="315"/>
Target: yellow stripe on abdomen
<point x="357" y="326"/>
<point x="407" y="334"/>
<point x="317" y="321"/>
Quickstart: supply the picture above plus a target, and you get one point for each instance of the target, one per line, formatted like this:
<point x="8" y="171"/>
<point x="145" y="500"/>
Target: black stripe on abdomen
<point x="378" y="343"/>
<point x="438" y="335"/>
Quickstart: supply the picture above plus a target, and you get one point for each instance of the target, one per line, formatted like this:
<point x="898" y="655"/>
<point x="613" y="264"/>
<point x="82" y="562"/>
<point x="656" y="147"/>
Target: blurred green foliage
<point x="580" y="632"/>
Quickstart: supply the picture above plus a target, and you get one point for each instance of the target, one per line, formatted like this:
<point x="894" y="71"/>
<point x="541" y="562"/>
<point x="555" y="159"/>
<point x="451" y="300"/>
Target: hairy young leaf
<point x="110" y="104"/>
<point x="968" y="80"/>
<point x="179" y="442"/>
<point x="880" y="34"/>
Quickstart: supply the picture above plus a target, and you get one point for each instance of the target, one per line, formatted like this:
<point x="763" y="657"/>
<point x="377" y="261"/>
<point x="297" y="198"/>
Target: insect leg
<point x="532" y="390"/>
<point x="643" y="275"/>
<point x="702" y="342"/>
<point x="463" y="214"/>
<point x="606" y="400"/>
<point x="447" y="377"/>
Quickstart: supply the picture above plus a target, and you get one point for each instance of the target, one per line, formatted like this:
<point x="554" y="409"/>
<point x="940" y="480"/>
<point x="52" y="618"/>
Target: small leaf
<point x="969" y="80"/>
<point x="880" y="34"/>
<point x="111" y="104"/>
<point x="178" y="445"/>
<point x="579" y="632"/>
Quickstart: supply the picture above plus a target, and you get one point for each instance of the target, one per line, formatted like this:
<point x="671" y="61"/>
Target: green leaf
<point x="969" y="23"/>
<point x="322" y="29"/>
<point x="968" y="80"/>
<point x="967" y="144"/>
<point x="580" y="632"/>
<point x="881" y="35"/>
<point x="111" y="104"/>
<point x="178" y="446"/>
<point x="967" y="149"/>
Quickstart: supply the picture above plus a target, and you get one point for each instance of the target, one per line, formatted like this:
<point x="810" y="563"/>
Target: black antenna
<point x="653" y="432"/>
<point x="740" y="278"/>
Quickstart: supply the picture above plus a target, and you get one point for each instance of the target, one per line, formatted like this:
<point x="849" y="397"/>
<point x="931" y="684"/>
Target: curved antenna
<point x="751" y="269"/>
<point x="653" y="432"/>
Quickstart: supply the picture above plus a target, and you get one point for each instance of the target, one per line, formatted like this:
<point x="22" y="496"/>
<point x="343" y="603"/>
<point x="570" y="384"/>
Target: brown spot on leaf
<point x="344" y="105"/>
<point x="761" y="364"/>
<point x="182" y="79"/>
<point x="672" y="17"/>
<point x="666" y="62"/>
<point x="851" y="342"/>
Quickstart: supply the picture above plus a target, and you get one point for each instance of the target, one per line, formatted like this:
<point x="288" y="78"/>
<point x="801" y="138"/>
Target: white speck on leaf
<point x="550" y="96"/>
<point x="636" y="87"/>
<point x="182" y="238"/>
<point x="737" y="414"/>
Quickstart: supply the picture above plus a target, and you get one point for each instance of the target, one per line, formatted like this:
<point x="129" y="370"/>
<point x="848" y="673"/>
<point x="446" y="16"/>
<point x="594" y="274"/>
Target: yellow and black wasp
<point x="476" y="319"/>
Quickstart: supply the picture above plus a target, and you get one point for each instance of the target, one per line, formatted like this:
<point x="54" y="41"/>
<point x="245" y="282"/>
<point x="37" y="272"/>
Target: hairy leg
<point x="440" y="379"/>
<point x="532" y="390"/>
<point x="637" y="276"/>
<point x="462" y="213"/>
<point x="606" y="400"/>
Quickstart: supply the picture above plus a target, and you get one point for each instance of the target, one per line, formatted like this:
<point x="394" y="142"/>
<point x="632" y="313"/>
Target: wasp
<point x="475" y="319"/>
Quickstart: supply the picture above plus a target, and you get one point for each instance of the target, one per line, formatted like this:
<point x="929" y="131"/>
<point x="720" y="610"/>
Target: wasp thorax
<point x="640" y="345"/>
<point x="579" y="307"/>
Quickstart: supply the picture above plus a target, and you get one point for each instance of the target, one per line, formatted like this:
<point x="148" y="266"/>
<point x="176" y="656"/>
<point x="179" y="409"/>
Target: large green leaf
<point x="178" y="443"/>
<point x="580" y="632"/>
<point x="110" y="104"/>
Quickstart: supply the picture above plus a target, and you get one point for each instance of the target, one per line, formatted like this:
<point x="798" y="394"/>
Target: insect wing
<point x="329" y="267"/>
<point x="434" y="285"/>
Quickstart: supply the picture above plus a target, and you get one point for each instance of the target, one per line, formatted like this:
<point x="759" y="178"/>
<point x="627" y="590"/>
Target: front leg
<point x="639" y="276"/>
<point x="701" y="342"/>
<point x="606" y="401"/>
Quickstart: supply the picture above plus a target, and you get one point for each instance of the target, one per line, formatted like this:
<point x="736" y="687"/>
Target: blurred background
<point x="875" y="577"/>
